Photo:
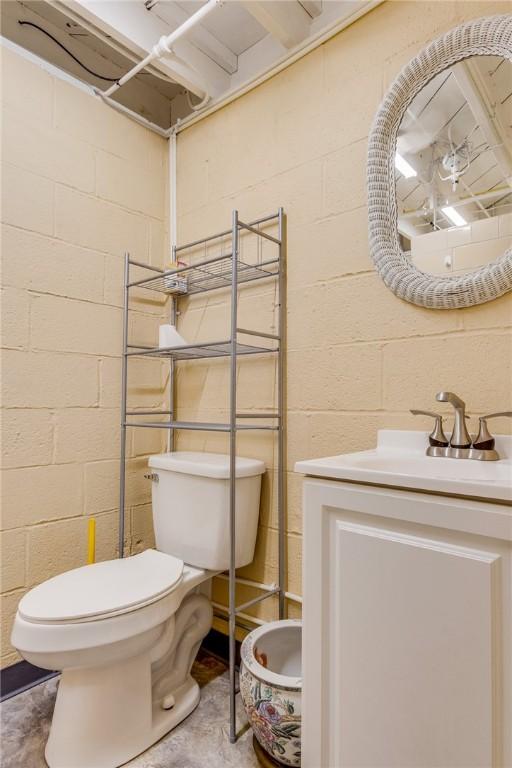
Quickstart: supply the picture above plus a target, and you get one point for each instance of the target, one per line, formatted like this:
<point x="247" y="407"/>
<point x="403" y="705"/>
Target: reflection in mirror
<point x="454" y="168"/>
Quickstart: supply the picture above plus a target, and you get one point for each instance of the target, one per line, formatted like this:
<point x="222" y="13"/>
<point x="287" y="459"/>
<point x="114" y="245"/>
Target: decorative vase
<point x="271" y="688"/>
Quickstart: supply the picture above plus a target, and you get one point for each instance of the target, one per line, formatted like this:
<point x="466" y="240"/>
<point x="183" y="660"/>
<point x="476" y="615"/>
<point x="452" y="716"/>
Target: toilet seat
<point x="103" y="590"/>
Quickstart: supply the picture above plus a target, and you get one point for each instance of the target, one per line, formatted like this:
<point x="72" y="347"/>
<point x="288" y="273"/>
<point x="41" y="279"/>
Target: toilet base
<point x="92" y="734"/>
<point x="106" y="715"/>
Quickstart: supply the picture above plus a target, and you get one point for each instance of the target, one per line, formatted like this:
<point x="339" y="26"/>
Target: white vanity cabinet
<point x="407" y="628"/>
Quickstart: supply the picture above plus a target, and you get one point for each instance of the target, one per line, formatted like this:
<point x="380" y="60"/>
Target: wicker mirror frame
<point x="490" y="36"/>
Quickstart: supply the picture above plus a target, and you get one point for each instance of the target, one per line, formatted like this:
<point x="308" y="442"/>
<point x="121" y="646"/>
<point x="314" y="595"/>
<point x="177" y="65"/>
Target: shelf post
<point x="172" y="366"/>
<point x="232" y="477"/>
<point x="281" y="490"/>
<point x="124" y="377"/>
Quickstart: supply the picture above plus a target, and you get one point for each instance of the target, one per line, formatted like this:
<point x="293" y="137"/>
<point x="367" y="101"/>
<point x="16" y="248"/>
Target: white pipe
<point x="173" y="207"/>
<point x="265" y="587"/>
<point x="245" y="616"/>
<point x="164" y="45"/>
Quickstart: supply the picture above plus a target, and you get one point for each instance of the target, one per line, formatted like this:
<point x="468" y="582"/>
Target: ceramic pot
<point x="271" y="687"/>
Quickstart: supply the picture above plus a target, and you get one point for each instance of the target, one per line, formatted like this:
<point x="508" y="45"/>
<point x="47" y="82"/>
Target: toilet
<point x="125" y="632"/>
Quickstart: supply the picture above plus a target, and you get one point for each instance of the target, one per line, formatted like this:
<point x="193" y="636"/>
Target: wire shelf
<point x="221" y="261"/>
<point x="200" y="351"/>
<point x="199" y="426"/>
<point x="208" y="275"/>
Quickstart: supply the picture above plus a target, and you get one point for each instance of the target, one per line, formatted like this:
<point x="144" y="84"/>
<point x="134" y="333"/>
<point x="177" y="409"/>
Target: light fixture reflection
<point x="454" y="216"/>
<point x="404" y="167"/>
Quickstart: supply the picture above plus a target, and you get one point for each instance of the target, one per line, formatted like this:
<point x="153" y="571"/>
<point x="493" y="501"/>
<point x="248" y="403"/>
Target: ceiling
<point x="462" y="121"/>
<point x="232" y="46"/>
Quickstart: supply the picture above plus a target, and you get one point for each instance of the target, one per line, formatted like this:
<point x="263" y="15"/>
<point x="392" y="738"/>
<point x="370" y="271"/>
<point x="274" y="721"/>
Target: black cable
<point x="94" y="74"/>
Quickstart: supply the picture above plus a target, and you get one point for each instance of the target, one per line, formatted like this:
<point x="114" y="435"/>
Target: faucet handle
<point x="437" y="437"/>
<point x="485" y="441"/>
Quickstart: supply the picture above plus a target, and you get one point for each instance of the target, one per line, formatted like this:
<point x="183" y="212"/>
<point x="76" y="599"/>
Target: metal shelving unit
<point x="226" y="271"/>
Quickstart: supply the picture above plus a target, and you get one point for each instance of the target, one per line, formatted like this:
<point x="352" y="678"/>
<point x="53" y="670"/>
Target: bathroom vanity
<point x="407" y="621"/>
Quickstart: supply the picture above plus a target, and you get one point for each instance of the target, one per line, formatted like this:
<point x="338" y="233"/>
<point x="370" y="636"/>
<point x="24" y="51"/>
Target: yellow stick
<point x="91" y="541"/>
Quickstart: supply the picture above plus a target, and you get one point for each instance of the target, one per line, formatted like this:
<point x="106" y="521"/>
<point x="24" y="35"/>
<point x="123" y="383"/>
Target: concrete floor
<point x="200" y="741"/>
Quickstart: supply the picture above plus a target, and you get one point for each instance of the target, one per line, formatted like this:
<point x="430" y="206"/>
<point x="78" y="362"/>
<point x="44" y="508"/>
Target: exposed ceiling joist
<point x="199" y="37"/>
<point x="139" y="30"/>
<point x="287" y="21"/>
<point x="483" y="114"/>
<point x="312" y="7"/>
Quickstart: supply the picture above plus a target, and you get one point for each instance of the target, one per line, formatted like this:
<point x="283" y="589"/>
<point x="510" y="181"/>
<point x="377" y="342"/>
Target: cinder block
<point x="27" y="437"/>
<point x="54" y="548"/>
<point x="97" y="224"/>
<point x="23" y="78"/>
<point x="9" y="606"/>
<point x="492" y="314"/>
<point x="27" y="200"/>
<point x="146" y="442"/>
<point x="48" y="380"/>
<point x="86" y="434"/>
<point x="146" y="383"/>
<point x="13" y="559"/>
<point x="14" y="318"/>
<point x="39" y="494"/>
<point x="143" y="534"/>
<point x="344" y="378"/>
<point x="85" y="117"/>
<point x="107" y="536"/>
<point x="41" y="264"/>
<point x="68" y="325"/>
<point x="316" y="434"/>
<point x="325" y="250"/>
<point x="128" y="183"/>
<point x="101" y="484"/>
<point x="345" y="179"/>
<point x="359" y="308"/>
<point x="159" y="242"/>
<point x="47" y="152"/>
<point x="478" y="367"/>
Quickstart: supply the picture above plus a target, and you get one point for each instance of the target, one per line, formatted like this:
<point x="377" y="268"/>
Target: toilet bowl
<point x="125" y="632"/>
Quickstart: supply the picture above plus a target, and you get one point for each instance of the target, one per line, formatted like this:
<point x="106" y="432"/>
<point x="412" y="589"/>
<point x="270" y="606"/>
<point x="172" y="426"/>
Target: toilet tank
<point x="190" y="496"/>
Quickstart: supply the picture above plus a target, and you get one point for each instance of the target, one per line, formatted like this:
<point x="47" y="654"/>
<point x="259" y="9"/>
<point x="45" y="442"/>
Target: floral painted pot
<point x="271" y="687"/>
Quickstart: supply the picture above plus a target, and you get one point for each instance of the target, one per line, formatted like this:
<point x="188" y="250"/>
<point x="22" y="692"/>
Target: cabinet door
<point x="410" y="653"/>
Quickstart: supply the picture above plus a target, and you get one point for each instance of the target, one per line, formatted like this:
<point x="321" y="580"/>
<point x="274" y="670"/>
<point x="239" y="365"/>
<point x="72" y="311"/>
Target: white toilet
<point x="125" y="632"/>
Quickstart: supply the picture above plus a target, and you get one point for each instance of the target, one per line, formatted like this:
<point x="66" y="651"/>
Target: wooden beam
<point x="312" y="7"/>
<point x="138" y="30"/>
<point x="200" y="37"/>
<point x="474" y="92"/>
<point x="287" y="21"/>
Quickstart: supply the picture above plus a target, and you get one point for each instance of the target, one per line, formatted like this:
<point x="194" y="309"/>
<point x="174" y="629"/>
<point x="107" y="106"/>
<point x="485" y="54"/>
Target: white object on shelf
<point x="168" y="336"/>
<point x="175" y="284"/>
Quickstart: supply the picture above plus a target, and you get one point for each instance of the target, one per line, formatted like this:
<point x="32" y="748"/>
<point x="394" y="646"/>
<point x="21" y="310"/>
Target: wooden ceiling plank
<point x="288" y="22"/>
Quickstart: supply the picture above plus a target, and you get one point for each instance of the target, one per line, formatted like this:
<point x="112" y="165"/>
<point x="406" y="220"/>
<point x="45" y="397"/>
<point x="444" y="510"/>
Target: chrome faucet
<point x="460" y="445"/>
<point x="460" y="436"/>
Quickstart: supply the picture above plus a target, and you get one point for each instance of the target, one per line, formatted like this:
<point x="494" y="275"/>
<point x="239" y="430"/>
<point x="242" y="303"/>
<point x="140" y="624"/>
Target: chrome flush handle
<point x="485" y="441"/>
<point x="151" y="476"/>
<point x="437" y="437"/>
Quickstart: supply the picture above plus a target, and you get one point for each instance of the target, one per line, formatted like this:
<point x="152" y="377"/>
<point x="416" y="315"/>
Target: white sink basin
<point x="399" y="460"/>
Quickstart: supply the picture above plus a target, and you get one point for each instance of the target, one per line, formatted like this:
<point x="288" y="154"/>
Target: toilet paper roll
<point x="168" y="336"/>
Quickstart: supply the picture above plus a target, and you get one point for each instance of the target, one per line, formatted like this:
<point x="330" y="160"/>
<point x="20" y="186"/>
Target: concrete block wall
<point x="358" y="357"/>
<point x="81" y="184"/>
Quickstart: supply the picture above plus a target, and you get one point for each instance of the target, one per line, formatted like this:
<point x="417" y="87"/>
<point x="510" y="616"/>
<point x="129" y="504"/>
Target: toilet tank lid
<point x="205" y="464"/>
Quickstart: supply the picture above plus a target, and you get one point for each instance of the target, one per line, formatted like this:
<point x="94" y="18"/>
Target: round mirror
<point x="440" y="171"/>
<point x="453" y="168"/>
